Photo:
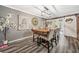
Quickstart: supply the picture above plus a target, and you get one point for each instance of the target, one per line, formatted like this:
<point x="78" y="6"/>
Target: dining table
<point x="40" y="32"/>
<point x="43" y="32"/>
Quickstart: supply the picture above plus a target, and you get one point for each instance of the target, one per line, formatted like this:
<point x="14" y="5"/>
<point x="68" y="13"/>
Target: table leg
<point x="33" y="37"/>
<point x="38" y="41"/>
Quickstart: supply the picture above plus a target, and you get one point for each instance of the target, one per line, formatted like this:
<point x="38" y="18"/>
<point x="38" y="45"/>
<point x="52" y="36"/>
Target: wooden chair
<point x="56" y="35"/>
<point x="46" y="41"/>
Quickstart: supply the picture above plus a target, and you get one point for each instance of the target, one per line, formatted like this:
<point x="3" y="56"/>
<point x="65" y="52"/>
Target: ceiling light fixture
<point x="44" y="12"/>
<point x="46" y="8"/>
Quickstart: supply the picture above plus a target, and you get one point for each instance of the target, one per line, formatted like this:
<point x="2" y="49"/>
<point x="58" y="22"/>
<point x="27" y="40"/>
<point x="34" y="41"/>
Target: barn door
<point x="78" y="27"/>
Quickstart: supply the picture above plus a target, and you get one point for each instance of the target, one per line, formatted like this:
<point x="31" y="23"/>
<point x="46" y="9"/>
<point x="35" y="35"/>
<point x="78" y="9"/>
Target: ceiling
<point x="47" y="11"/>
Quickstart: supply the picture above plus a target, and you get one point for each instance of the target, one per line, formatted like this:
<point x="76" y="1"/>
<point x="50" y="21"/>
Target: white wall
<point x="71" y="28"/>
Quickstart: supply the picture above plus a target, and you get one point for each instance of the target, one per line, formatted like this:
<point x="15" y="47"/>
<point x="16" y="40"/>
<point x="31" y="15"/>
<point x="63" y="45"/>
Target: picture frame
<point x="22" y="22"/>
<point x="13" y="22"/>
<point x="2" y="23"/>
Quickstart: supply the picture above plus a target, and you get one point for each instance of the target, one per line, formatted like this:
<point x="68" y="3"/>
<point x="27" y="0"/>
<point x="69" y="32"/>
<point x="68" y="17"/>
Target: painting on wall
<point x="2" y="23"/>
<point x="13" y="21"/>
<point x="22" y="22"/>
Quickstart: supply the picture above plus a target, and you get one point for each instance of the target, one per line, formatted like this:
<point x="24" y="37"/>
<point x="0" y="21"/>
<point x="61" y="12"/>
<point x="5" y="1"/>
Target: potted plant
<point x="4" y="23"/>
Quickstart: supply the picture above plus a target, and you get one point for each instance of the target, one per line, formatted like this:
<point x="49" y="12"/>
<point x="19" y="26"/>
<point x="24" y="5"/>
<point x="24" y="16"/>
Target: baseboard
<point x="71" y="36"/>
<point x="20" y="39"/>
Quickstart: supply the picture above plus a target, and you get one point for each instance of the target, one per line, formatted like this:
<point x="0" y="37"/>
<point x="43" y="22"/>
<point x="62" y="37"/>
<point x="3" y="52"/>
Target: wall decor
<point x="2" y="23"/>
<point x="22" y="22"/>
<point x="13" y="21"/>
<point x="13" y="25"/>
<point x="69" y="20"/>
<point x="35" y="21"/>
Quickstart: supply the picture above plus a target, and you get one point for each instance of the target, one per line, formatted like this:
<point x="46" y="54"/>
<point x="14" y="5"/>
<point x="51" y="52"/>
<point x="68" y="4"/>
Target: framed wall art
<point x="13" y="21"/>
<point x="2" y="23"/>
<point x="22" y="22"/>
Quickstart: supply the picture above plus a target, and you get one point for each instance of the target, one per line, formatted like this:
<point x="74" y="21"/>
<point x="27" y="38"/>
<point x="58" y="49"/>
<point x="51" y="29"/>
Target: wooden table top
<point x="40" y="30"/>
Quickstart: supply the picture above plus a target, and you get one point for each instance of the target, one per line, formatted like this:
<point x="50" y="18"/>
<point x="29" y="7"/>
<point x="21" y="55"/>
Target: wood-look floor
<point x="68" y="45"/>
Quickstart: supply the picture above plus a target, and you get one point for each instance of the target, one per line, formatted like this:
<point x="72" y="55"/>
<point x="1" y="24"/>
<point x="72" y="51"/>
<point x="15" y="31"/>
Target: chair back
<point x="51" y="34"/>
<point x="56" y="34"/>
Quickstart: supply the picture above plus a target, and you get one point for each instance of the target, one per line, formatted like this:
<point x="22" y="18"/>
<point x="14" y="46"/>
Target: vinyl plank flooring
<point x="71" y="45"/>
<point x="38" y="50"/>
<point x="27" y="49"/>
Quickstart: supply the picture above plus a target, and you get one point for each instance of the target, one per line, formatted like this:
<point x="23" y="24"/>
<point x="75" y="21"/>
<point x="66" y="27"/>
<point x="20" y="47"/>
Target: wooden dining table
<point x="40" y="41"/>
<point x="43" y="32"/>
<point x="40" y="32"/>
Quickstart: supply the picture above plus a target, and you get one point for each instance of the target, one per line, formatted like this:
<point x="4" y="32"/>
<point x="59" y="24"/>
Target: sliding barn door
<point x="78" y="27"/>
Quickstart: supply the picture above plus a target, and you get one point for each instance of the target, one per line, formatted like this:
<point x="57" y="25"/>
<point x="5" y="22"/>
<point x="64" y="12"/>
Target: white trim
<point x="20" y="39"/>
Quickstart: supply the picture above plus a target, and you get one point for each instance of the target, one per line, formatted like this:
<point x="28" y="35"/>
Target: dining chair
<point x="48" y="40"/>
<point x="56" y="35"/>
<point x="52" y="37"/>
<point x="35" y="36"/>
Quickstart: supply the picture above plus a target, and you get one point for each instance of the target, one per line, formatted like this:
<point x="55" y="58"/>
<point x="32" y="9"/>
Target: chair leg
<point x="55" y="42"/>
<point x="48" y="48"/>
<point x="52" y="43"/>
